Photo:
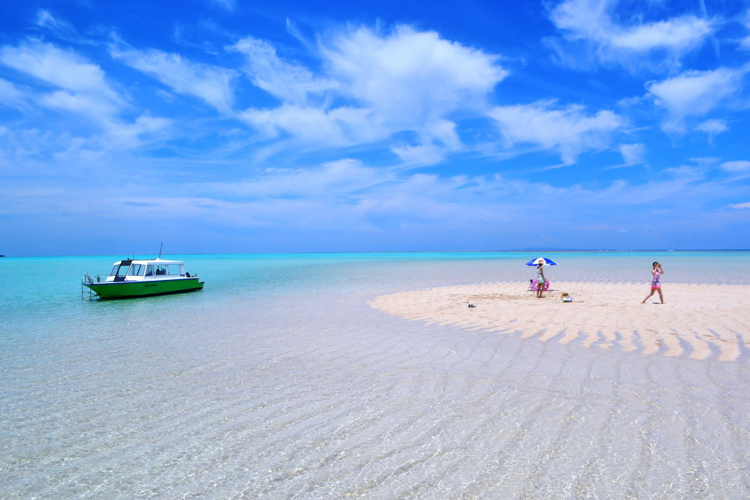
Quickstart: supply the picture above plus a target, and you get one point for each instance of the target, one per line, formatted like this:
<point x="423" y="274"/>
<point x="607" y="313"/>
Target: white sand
<point x="695" y="318"/>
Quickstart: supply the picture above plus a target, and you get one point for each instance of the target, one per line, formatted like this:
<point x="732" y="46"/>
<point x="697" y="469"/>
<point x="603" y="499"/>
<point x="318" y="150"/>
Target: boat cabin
<point x="144" y="270"/>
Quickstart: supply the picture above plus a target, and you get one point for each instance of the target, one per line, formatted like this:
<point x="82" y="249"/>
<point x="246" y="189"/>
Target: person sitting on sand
<point x="656" y="271"/>
<point x="540" y="281"/>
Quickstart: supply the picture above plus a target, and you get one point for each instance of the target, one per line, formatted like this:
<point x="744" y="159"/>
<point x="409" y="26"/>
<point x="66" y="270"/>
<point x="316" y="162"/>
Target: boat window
<point x="123" y="270"/>
<point x="174" y="270"/>
<point x="113" y="272"/>
<point x="160" y="270"/>
<point x="149" y="270"/>
<point x="136" y="270"/>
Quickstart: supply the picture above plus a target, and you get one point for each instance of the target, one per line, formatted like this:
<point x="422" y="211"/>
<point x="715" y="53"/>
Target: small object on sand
<point x="472" y="305"/>
<point x="565" y="297"/>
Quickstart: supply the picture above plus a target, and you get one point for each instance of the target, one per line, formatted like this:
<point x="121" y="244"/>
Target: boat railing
<point x="86" y="292"/>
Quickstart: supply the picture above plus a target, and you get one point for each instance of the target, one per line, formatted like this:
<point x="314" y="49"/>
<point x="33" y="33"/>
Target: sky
<point x="226" y="126"/>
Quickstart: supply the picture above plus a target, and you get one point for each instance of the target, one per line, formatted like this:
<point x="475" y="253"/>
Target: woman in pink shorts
<point x="656" y="271"/>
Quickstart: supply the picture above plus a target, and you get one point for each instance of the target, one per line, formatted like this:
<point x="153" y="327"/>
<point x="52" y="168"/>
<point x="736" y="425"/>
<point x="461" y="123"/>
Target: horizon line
<point x="400" y="252"/>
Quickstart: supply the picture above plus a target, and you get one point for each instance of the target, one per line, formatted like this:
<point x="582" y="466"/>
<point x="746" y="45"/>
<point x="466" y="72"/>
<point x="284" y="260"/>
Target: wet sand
<point x="701" y="321"/>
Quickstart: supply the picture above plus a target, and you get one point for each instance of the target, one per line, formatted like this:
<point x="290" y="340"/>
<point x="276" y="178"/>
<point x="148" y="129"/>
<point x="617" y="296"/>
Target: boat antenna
<point x="162" y="246"/>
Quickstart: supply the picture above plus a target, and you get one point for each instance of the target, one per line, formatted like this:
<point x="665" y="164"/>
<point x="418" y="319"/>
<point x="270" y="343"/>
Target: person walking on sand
<point x="540" y="281"/>
<point x="656" y="271"/>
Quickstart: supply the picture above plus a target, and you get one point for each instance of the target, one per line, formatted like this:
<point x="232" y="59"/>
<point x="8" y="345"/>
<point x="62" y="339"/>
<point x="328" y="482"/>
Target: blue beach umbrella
<point x="541" y="260"/>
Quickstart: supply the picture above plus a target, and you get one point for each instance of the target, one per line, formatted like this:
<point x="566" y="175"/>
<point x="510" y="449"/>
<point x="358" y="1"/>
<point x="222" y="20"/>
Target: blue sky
<point x="231" y="126"/>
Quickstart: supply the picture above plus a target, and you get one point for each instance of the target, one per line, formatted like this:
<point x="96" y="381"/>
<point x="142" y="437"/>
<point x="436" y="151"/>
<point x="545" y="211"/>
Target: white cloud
<point x="287" y="81"/>
<point x="736" y="166"/>
<point x="59" y="28"/>
<point x="740" y="205"/>
<point x="569" y="130"/>
<point x="694" y="93"/>
<point x="12" y="96"/>
<point x="423" y="154"/>
<point x="409" y="76"/>
<point x="332" y="179"/>
<point x="745" y="43"/>
<point x="225" y="4"/>
<point x="61" y="68"/>
<point x="679" y="34"/>
<point x="352" y="193"/>
<point x="438" y="139"/>
<point x="633" y="154"/>
<point x="351" y="199"/>
<point x="131" y="134"/>
<point x="313" y="126"/>
<point x="211" y="84"/>
<point x="371" y="86"/>
<point x="594" y="22"/>
<point x="81" y="88"/>
<point x="686" y="173"/>
<point x="712" y="127"/>
<point x="98" y="110"/>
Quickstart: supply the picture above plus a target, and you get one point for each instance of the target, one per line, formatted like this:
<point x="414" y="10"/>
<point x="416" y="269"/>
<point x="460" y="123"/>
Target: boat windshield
<point x="123" y="270"/>
<point x="113" y="272"/>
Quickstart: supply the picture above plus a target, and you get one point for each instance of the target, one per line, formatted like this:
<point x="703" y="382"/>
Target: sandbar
<point x="702" y="321"/>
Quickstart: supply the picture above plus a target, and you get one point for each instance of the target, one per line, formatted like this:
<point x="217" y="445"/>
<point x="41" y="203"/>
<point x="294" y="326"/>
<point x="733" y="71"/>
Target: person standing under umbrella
<point x="540" y="280"/>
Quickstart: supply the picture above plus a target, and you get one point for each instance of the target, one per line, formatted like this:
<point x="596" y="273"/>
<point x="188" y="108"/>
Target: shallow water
<point x="278" y="380"/>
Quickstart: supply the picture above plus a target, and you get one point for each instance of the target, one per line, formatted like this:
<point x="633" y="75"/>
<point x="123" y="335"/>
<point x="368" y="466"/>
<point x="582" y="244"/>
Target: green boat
<point x="140" y="278"/>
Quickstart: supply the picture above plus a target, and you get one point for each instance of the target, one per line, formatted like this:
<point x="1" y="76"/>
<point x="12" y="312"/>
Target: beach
<point x="698" y="320"/>
<point x="281" y="380"/>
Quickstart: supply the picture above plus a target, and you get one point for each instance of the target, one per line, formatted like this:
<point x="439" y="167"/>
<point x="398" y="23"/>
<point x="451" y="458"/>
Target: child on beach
<point x="656" y="271"/>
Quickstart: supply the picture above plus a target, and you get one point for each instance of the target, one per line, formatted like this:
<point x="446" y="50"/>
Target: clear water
<point x="278" y="381"/>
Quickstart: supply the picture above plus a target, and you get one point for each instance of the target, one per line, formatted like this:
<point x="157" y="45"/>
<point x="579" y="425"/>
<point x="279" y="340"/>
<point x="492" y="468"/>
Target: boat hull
<point x="149" y="288"/>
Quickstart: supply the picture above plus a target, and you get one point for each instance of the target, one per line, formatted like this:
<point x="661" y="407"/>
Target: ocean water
<point x="279" y="381"/>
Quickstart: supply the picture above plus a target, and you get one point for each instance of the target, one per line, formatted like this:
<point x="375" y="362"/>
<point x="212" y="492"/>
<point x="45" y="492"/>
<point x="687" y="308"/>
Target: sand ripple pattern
<point x="318" y="398"/>
<point x="697" y="320"/>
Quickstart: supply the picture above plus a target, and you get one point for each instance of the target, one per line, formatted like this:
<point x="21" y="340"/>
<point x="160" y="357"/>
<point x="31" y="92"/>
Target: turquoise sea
<point x="279" y="381"/>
